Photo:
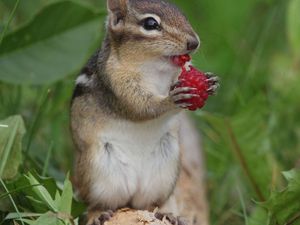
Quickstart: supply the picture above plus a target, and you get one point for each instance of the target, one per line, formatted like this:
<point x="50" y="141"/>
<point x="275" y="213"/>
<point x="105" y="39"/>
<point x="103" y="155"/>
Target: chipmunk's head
<point x="149" y="29"/>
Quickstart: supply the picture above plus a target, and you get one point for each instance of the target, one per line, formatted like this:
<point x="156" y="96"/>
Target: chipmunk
<point x="125" y="113"/>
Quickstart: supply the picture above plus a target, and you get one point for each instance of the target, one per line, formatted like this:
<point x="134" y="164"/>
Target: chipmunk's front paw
<point x="171" y="218"/>
<point x="99" y="218"/>
<point x="213" y="82"/>
<point x="179" y="95"/>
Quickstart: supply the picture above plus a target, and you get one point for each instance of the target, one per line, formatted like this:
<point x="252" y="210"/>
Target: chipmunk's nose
<point x="192" y="44"/>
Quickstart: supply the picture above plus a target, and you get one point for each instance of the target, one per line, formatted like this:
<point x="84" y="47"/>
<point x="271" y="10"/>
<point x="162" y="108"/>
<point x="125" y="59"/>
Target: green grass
<point x="251" y="129"/>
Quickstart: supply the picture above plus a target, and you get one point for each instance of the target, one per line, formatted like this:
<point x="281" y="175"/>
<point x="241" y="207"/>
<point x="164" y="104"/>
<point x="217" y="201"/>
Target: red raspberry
<point x="180" y="60"/>
<point x="195" y="79"/>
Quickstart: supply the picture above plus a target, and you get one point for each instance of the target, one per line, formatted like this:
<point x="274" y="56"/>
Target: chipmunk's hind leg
<point x="99" y="217"/>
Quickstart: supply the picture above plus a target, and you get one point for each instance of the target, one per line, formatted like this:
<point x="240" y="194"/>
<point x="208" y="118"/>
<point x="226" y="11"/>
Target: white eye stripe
<point x="152" y="33"/>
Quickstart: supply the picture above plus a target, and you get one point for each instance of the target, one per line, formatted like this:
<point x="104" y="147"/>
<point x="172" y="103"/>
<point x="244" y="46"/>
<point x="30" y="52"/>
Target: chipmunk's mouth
<point x="180" y="60"/>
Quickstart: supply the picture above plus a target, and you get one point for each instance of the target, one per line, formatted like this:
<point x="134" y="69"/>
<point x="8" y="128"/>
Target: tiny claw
<point x="179" y="90"/>
<point x="105" y="217"/>
<point x="180" y="97"/>
<point x="101" y="218"/>
<point x="178" y="82"/>
<point x="184" y="105"/>
<point x="212" y="90"/>
<point x="213" y="79"/>
<point x="209" y="74"/>
<point x="213" y="87"/>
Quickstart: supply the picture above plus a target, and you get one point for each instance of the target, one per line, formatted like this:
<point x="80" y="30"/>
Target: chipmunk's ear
<point x="117" y="10"/>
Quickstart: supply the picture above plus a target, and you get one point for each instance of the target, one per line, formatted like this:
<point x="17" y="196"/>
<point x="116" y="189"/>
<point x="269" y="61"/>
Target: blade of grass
<point x="46" y="165"/>
<point x="16" y="216"/>
<point x="11" y="16"/>
<point x="35" y="123"/>
<point x="260" y="47"/>
<point x="3" y="126"/>
<point x="7" y="148"/>
<point x="12" y="201"/>
<point x="243" y="205"/>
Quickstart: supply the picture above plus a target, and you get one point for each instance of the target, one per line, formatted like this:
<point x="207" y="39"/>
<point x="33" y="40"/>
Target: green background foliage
<point x="251" y="129"/>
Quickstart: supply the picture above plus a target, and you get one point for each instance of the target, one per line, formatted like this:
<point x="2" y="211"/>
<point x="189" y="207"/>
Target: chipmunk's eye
<point x="151" y="24"/>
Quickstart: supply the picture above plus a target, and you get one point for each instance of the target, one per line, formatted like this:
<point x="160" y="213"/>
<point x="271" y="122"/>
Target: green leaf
<point x="12" y="131"/>
<point x="293" y="25"/>
<point x="48" y="219"/>
<point x="284" y="206"/>
<point x="24" y="189"/>
<point x="42" y="193"/>
<point x="65" y="205"/>
<point x="259" y="216"/>
<point x="57" y="198"/>
<point x="78" y="208"/>
<point x="55" y="44"/>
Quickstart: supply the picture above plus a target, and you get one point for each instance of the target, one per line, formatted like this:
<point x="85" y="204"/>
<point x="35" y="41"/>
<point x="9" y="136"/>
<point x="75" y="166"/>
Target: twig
<point x="297" y="217"/>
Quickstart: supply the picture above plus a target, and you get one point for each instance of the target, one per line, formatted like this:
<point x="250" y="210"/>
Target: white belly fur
<point x="139" y="166"/>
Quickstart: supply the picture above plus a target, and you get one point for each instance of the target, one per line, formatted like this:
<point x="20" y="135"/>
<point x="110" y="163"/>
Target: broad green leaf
<point x="57" y="198"/>
<point x="65" y="205"/>
<point x="284" y="206"/>
<point x="294" y="26"/>
<point x="66" y="202"/>
<point x="12" y="131"/>
<point x="42" y="193"/>
<point x="30" y="222"/>
<point x="55" y="44"/>
<point x="48" y="219"/>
